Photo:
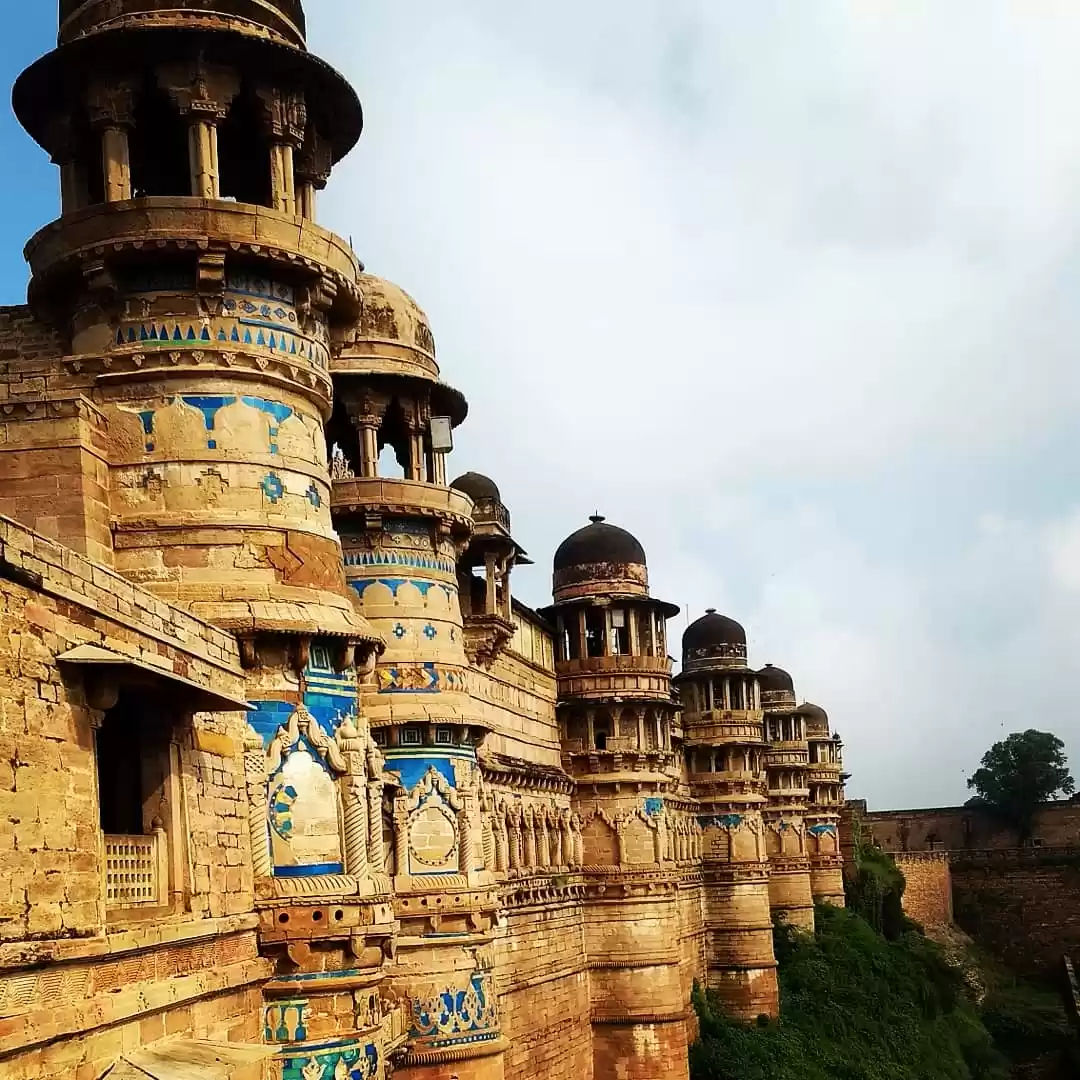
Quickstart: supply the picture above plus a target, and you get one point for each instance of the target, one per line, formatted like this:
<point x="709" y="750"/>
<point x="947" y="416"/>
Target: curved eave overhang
<point x="48" y="87"/>
<point x="446" y="400"/>
<point x="669" y="611"/>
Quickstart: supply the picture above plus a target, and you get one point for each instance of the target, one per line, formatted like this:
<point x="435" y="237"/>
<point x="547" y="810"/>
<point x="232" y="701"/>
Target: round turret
<point x="714" y="640"/>
<point x="599" y="559"/>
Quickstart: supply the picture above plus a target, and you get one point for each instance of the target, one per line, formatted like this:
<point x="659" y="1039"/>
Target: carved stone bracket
<point x="486" y="636"/>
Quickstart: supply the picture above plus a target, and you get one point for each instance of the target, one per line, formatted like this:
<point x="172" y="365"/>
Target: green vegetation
<point x="855" y="1006"/>
<point x="1028" y="1025"/>
<point x="1020" y="773"/>
<point x="869" y="997"/>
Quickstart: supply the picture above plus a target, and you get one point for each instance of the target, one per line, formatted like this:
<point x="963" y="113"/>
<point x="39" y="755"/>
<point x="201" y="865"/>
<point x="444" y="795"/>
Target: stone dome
<point x="477" y="486"/>
<point x="817" y="720"/>
<point x="714" y="638"/>
<point x="390" y="315"/>
<point x="393" y="338"/>
<point x="280" y="20"/>
<point x="771" y="677"/>
<point x="598" y="542"/>
<point x="600" y="559"/>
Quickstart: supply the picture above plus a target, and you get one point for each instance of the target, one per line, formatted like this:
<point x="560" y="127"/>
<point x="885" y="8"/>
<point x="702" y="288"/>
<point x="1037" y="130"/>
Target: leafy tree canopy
<point x="1018" y="774"/>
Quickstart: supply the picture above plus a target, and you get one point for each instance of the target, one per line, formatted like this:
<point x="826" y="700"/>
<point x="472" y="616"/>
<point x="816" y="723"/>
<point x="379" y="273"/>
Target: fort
<point x="291" y="785"/>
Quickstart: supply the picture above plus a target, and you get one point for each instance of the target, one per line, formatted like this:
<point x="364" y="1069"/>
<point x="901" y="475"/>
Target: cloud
<point x="787" y="290"/>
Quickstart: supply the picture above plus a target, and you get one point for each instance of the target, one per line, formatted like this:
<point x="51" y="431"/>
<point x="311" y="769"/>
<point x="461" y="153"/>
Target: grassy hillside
<point x="855" y="1006"/>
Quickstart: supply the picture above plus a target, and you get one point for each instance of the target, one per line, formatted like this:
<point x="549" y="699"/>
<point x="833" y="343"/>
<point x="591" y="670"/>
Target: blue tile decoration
<point x="455" y="1016"/>
<point x="339" y="1059"/>
<point x="822" y="830"/>
<point x="425" y="677"/>
<point x="399" y="631"/>
<point x="312" y="492"/>
<point x="272" y="487"/>
<point x="413" y="764"/>
<point x="721" y="821"/>
<point x="430" y="632"/>
<point x="281" y="802"/>
<point x="400" y="558"/>
<point x="283" y="1021"/>
<point x="653" y="807"/>
<point x="361" y="585"/>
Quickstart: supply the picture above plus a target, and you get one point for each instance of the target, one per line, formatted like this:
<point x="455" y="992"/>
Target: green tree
<point x="1020" y="773"/>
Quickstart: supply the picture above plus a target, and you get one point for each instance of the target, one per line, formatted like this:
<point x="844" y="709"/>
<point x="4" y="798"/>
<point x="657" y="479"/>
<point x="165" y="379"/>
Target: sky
<point x="787" y="289"/>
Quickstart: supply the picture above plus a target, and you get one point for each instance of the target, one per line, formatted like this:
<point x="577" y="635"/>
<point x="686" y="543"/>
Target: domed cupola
<point x="388" y="391"/>
<point x="484" y="570"/>
<point x="777" y="688"/>
<point x="714" y="640"/>
<point x="817" y="720"/>
<point x="599" y="559"/>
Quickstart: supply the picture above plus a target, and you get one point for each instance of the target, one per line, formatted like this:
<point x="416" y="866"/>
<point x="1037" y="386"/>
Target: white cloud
<point x="787" y="290"/>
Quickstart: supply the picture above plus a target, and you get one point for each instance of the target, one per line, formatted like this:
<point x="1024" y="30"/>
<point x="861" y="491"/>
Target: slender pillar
<point x="203" y="153"/>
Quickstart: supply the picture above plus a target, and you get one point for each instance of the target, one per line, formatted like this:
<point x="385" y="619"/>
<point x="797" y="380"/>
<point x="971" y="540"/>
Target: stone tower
<point x="616" y="719"/>
<point x="725" y="749"/>
<point x="404" y="533"/>
<point x="826" y="779"/>
<point x="786" y="756"/>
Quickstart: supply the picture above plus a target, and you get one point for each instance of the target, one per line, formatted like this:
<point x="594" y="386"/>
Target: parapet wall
<point x="928" y="895"/>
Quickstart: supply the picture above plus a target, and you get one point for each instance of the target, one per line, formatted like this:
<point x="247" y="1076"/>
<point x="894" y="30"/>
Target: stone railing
<point x="603" y="665"/>
<point x="140" y="223"/>
<point x="990" y="856"/>
<point x="136" y="870"/>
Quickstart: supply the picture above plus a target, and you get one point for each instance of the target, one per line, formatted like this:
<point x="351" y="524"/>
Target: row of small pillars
<point x="203" y="98"/>
<point x="610" y="631"/>
<point x="707" y="693"/>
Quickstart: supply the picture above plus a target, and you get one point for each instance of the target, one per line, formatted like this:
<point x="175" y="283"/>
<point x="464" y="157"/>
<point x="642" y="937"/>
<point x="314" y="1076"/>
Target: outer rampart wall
<point x="1021" y="904"/>
<point x="928" y="895"/>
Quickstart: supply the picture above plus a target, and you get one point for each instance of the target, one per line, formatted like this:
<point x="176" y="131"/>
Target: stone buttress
<point x="725" y="751"/>
<point x="786" y="757"/>
<point x="616" y="719"/>
<point x="826" y="779"/>
<point x="403" y="532"/>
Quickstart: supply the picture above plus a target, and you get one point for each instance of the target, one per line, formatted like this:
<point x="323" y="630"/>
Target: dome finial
<point x="710" y="611"/>
<point x="597" y="518"/>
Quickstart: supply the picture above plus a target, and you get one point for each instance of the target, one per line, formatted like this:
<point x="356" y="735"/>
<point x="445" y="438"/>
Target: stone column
<point x="376" y="854"/>
<point x="466" y="844"/>
<point x="313" y="165"/>
<point x="202" y="95"/>
<point x="285" y="123"/>
<point x="258" y="823"/>
<point x="401" y="836"/>
<point x="515" y="844"/>
<point x="354" y="798"/>
<point x="530" y="844"/>
<point x="502" y="845"/>
<point x="111" y="111"/>
<point x="491" y="599"/>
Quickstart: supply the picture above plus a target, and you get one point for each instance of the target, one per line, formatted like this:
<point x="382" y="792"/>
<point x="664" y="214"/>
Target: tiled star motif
<point x="430" y="632"/>
<point x="313" y="496"/>
<point x="399" y="631"/>
<point x="272" y="487"/>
